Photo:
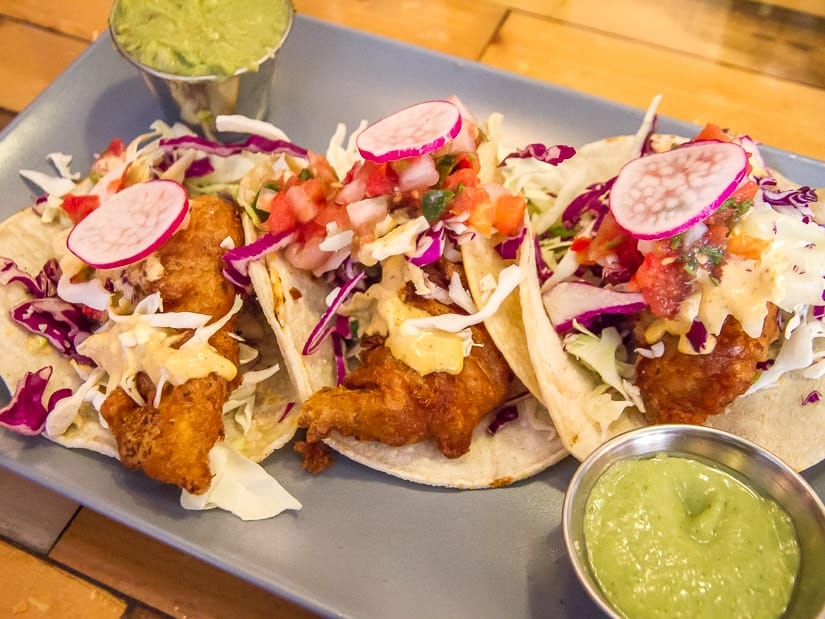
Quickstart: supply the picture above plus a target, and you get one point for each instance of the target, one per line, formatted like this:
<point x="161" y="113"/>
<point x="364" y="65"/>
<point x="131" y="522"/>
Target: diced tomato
<point x="745" y="191"/>
<point x="379" y="178"/>
<point x="482" y="217"/>
<point x="747" y="246"/>
<point x="307" y="255"/>
<point x="110" y="157"/>
<point x="331" y="212"/>
<point x="281" y="217"/>
<point x="509" y="214"/>
<point x="663" y="282"/>
<point x="716" y="235"/>
<point x="466" y="177"/>
<point x="78" y="206"/>
<point x="580" y="245"/>
<point x="468" y="199"/>
<point x="467" y="160"/>
<point x="712" y="132"/>
<point x="321" y="169"/>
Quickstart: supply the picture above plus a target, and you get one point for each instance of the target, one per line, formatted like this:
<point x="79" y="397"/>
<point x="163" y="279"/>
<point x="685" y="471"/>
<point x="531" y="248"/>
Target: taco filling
<point x="686" y="287"/>
<point x="401" y="318"/>
<point x="147" y="351"/>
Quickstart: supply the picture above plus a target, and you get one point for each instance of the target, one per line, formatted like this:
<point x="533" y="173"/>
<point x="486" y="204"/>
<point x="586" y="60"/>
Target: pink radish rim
<point x="648" y="225"/>
<point x="381" y="141"/>
<point x="117" y="215"/>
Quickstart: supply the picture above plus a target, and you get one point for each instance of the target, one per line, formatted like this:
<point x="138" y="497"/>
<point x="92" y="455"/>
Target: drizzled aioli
<point x="673" y="537"/>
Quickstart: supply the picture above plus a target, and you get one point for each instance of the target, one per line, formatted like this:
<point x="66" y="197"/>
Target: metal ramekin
<point x="764" y="472"/>
<point x="197" y="100"/>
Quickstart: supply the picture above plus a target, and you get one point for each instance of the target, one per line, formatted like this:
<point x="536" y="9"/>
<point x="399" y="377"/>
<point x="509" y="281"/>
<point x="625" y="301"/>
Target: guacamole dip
<point x="200" y="37"/>
<point x="674" y="537"/>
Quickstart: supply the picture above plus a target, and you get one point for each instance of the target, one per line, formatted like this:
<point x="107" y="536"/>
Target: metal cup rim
<point x="611" y="452"/>
<point x="196" y="79"/>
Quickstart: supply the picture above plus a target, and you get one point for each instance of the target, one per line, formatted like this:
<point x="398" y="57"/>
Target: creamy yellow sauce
<point x="132" y="346"/>
<point x="383" y="312"/>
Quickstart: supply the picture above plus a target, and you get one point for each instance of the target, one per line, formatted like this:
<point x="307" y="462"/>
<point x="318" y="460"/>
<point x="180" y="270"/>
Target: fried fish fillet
<point x="171" y="442"/>
<point x="680" y="388"/>
<point x="387" y="401"/>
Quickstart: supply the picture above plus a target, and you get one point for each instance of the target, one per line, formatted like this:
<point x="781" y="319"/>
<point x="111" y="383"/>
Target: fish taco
<point x="678" y="280"/>
<point x="393" y="290"/>
<point x="127" y="335"/>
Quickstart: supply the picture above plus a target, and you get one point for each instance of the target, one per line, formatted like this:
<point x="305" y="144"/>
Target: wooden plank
<point x="760" y="37"/>
<point x="34" y="588"/>
<point x="773" y="111"/>
<point x="455" y="27"/>
<point x="86" y="19"/>
<point x="814" y="7"/>
<point x="39" y="57"/>
<point x="31" y="515"/>
<point x="6" y="117"/>
<point x="160" y="576"/>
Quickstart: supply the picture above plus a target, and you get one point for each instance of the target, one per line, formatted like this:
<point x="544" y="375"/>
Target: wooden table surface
<point x="756" y="67"/>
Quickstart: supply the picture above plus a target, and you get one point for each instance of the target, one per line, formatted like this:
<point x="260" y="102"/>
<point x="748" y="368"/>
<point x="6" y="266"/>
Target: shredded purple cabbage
<point x="324" y="329"/>
<point x="505" y="415"/>
<point x="812" y="398"/>
<point x="237" y="260"/>
<point x="765" y="365"/>
<point x="61" y="323"/>
<point x="25" y="413"/>
<point x="553" y="155"/>
<point x="798" y="197"/>
<point x="697" y="335"/>
<point x="44" y="284"/>
<point x="593" y="200"/>
<point x="287" y="409"/>
<point x="434" y="239"/>
<point x="508" y="248"/>
<point x="199" y="167"/>
<point x="253" y="144"/>
<point x="544" y="271"/>
<point x="340" y="360"/>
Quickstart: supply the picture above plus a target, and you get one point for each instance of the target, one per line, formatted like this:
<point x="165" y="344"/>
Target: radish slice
<point x="583" y="302"/>
<point x="661" y="195"/>
<point x="413" y="131"/>
<point x="130" y="225"/>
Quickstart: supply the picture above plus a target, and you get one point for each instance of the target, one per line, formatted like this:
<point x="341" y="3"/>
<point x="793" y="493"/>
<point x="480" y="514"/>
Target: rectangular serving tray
<point x="365" y="544"/>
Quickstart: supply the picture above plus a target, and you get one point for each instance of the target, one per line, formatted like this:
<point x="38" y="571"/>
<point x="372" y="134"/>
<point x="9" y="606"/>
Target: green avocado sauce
<point x="673" y="537"/>
<point x="199" y="37"/>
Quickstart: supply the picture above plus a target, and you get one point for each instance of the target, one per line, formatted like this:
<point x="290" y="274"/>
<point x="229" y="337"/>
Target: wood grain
<point x="85" y="19"/>
<point x="39" y="57"/>
<point x="750" y="35"/>
<point x="31" y="515"/>
<point x="160" y="576"/>
<point x="771" y="110"/>
<point x="454" y="27"/>
<point x="32" y="588"/>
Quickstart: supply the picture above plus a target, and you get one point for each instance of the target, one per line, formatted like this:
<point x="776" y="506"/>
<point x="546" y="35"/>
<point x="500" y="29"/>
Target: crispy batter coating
<point x="387" y="401"/>
<point x="680" y="388"/>
<point x="317" y="457"/>
<point x="171" y="443"/>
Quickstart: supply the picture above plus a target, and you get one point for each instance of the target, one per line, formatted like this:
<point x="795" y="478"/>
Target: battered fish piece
<point x="171" y="443"/>
<point x="387" y="401"/>
<point x="680" y="388"/>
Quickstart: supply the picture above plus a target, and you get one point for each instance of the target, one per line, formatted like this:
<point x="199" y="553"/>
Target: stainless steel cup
<point x="198" y="100"/>
<point x="764" y="472"/>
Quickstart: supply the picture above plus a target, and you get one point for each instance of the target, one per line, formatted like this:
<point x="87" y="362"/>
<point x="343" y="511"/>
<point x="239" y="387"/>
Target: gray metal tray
<point x="365" y="544"/>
